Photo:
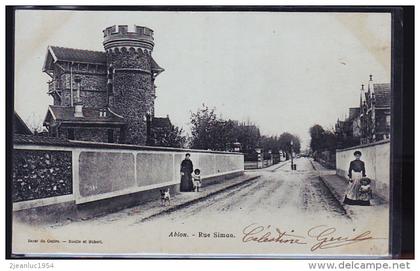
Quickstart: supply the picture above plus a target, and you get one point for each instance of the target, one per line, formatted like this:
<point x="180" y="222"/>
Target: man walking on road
<point x="186" y="170"/>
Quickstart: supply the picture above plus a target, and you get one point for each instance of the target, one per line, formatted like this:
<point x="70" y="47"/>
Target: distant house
<point x="159" y="132"/>
<point x="348" y="131"/>
<point x="376" y="113"/>
<point x="19" y="126"/>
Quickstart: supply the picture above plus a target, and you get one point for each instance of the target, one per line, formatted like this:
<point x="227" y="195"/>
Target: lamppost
<point x="260" y="158"/>
<point x="291" y="153"/>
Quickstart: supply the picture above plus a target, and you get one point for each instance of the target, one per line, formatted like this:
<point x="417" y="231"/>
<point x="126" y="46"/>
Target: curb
<point x="190" y="202"/>
<point x="333" y="192"/>
<point x="337" y="197"/>
<point x="280" y="166"/>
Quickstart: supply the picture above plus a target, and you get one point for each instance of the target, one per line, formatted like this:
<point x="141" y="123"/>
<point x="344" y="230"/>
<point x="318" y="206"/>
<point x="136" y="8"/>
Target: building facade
<point x="104" y="96"/>
<point x="375" y="115"/>
<point x="369" y="122"/>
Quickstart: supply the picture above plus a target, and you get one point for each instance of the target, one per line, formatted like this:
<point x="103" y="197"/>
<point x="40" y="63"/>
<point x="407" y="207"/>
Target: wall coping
<point x="364" y="145"/>
<point x="115" y="146"/>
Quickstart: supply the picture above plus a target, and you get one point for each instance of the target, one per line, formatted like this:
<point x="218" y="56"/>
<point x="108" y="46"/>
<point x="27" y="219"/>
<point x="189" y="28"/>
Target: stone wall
<point x="104" y="174"/>
<point x="129" y="58"/>
<point x="89" y="172"/>
<point x="133" y="91"/>
<point x="377" y="163"/>
<point x="133" y="99"/>
<point x="92" y="89"/>
<point x="41" y="174"/>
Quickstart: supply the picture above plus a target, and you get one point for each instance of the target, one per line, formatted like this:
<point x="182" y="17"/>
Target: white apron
<point x="352" y="191"/>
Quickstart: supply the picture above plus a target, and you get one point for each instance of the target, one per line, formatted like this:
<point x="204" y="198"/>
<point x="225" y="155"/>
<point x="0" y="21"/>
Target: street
<point x="277" y="192"/>
<point x="289" y="201"/>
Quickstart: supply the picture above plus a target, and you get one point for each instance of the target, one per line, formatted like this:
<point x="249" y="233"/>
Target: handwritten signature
<point x="319" y="237"/>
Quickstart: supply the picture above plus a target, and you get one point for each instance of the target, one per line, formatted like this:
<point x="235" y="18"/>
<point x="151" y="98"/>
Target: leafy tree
<point x="317" y="137"/>
<point x="249" y="136"/>
<point x="330" y="141"/>
<point x="284" y="142"/>
<point x="204" y="129"/>
<point x="323" y="145"/>
<point x="211" y="132"/>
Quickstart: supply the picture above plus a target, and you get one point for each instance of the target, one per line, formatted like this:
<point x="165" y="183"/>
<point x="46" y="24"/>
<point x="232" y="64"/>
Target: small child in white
<point x="196" y="180"/>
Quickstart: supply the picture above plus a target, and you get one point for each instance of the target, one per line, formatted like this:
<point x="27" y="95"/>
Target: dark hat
<point x="197" y="171"/>
<point x="357" y="153"/>
<point x="187" y="154"/>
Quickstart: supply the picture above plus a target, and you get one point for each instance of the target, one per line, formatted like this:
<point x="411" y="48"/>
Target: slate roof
<point x="56" y="53"/>
<point x="161" y="122"/>
<point x="382" y="95"/>
<point x="78" y="55"/>
<point x="19" y="126"/>
<point x="90" y="115"/>
<point x="155" y="67"/>
<point x="32" y="139"/>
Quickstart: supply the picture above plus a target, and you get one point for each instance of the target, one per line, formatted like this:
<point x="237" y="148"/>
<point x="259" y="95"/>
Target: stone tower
<point x="131" y="75"/>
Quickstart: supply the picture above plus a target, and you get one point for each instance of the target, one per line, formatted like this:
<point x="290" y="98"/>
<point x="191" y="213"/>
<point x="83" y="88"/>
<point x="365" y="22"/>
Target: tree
<point x="248" y="135"/>
<point x="330" y="141"/>
<point x="204" y="131"/>
<point x="208" y="131"/>
<point x="211" y="132"/>
<point x="284" y="142"/>
<point x="317" y="137"/>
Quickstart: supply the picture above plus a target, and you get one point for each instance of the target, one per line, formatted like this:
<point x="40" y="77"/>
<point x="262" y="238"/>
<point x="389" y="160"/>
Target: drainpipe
<point x="71" y="84"/>
<point x="78" y="106"/>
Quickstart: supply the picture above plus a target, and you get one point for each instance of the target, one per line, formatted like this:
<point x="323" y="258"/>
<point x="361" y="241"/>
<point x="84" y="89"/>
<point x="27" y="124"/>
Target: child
<point x="196" y="180"/>
<point x="365" y="191"/>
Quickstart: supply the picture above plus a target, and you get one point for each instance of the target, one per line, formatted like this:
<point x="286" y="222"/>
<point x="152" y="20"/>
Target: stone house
<point x="376" y="113"/>
<point x="104" y="96"/>
<point x="369" y="122"/>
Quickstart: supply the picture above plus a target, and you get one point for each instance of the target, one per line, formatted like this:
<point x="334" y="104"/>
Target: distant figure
<point x="186" y="170"/>
<point x="357" y="172"/>
<point x="196" y="180"/>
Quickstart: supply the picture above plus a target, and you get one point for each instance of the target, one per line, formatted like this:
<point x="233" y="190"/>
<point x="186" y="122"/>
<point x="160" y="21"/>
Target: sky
<point x="282" y="71"/>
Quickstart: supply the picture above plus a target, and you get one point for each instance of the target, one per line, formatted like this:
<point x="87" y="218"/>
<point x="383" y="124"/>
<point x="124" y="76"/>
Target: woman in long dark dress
<point x="186" y="170"/>
<point x="357" y="171"/>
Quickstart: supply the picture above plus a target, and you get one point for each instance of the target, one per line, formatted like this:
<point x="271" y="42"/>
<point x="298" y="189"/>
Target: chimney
<point x="370" y="85"/>
<point x="78" y="106"/>
<point x="362" y="90"/>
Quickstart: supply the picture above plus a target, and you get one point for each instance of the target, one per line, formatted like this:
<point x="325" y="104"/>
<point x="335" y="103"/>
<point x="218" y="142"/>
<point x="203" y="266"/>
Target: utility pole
<point x="291" y="154"/>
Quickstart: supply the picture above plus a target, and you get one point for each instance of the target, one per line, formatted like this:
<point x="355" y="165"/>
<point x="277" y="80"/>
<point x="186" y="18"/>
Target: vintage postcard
<point x="201" y="134"/>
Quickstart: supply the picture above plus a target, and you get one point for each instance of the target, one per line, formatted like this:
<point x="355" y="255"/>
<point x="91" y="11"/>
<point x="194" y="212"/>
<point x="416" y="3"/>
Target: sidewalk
<point x="154" y="208"/>
<point x="338" y="185"/>
<point x="181" y="200"/>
